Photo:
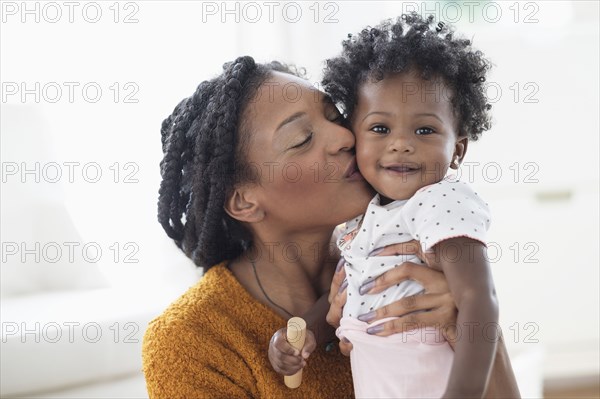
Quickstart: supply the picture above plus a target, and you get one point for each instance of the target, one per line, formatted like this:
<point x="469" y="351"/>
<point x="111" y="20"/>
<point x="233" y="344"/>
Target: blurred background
<point x="86" y="85"/>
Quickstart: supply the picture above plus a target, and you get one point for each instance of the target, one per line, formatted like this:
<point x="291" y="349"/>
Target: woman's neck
<point x="293" y="272"/>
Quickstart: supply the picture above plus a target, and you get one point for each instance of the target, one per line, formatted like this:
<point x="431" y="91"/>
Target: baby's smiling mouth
<point x="404" y="167"/>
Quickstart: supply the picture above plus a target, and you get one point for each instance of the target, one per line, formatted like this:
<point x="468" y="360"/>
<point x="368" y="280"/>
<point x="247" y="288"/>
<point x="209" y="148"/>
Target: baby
<point x="414" y="95"/>
<point x="419" y="98"/>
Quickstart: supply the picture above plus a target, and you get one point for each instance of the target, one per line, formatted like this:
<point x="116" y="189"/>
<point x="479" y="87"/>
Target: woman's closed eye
<point x="304" y="142"/>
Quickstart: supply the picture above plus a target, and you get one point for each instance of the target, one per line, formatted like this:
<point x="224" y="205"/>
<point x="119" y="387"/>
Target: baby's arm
<point x="287" y="360"/>
<point x="283" y="357"/>
<point x="463" y="261"/>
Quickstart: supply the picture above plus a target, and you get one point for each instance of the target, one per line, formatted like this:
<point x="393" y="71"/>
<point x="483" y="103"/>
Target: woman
<point x="257" y="172"/>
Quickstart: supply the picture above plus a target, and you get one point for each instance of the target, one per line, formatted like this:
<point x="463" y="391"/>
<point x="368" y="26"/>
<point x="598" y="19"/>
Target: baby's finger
<point x="310" y="344"/>
<point x="285" y="364"/>
<point x="280" y="343"/>
<point x="290" y="367"/>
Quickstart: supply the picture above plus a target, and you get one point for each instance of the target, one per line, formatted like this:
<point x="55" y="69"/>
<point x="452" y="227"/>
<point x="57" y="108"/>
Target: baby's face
<point x="406" y="134"/>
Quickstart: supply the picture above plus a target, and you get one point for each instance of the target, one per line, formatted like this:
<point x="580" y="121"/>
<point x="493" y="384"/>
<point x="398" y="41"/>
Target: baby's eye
<point x="424" y="130"/>
<point x="380" y="129"/>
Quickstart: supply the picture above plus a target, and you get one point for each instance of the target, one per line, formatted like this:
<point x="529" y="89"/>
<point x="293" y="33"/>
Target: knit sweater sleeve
<point x="212" y="343"/>
<point x="180" y="362"/>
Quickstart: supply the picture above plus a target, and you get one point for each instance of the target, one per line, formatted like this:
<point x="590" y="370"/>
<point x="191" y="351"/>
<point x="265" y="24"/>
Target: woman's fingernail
<point x="367" y="317"/>
<point x="345" y="340"/>
<point x="376" y="251"/>
<point x="366" y="287"/>
<point x="343" y="286"/>
<point x="375" y="330"/>
<point x="340" y="264"/>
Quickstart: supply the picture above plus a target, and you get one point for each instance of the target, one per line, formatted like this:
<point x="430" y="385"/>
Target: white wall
<point x="171" y="49"/>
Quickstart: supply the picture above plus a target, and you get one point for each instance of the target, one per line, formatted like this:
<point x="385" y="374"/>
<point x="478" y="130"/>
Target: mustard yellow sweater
<point x="212" y="343"/>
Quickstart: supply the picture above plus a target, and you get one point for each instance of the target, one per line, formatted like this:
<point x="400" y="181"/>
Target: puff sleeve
<point x="445" y="210"/>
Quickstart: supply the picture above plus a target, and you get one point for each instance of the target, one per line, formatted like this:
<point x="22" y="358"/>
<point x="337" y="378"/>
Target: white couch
<point x="66" y="327"/>
<point x="55" y="340"/>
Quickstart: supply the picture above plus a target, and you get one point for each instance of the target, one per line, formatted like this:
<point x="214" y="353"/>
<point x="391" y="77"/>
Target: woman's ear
<point x="243" y="206"/>
<point x="460" y="150"/>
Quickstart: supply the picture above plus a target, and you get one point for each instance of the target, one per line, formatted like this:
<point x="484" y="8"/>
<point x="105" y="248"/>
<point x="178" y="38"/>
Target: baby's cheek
<point x="364" y="155"/>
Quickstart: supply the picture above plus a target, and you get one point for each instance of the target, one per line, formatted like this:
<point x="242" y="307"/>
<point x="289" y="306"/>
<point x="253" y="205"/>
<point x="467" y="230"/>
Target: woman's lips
<point x="355" y="176"/>
<point x="352" y="173"/>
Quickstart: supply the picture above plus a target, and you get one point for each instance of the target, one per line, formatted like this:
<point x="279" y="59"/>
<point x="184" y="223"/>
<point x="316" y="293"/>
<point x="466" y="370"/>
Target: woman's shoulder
<point x="210" y="311"/>
<point x="197" y="303"/>
<point x="185" y="349"/>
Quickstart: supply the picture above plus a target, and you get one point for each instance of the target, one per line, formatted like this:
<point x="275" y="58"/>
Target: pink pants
<point x="414" y="364"/>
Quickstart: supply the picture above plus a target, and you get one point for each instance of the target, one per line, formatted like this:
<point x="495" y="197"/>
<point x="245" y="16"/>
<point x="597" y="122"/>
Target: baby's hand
<point x="284" y="358"/>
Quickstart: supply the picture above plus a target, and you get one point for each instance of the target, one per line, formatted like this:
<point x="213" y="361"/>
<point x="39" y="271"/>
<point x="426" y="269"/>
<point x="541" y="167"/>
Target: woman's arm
<point x="180" y="363"/>
<point x="437" y="299"/>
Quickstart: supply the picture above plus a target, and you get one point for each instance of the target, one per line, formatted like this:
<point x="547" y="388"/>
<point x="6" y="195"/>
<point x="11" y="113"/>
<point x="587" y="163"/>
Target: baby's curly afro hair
<point x="413" y="43"/>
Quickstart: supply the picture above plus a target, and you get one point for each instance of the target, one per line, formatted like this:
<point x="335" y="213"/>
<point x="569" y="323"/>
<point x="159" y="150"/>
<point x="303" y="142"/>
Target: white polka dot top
<point x="435" y="213"/>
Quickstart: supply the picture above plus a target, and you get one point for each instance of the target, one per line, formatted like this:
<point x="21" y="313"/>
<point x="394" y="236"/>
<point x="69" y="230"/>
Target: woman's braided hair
<point x="413" y="42"/>
<point x="204" y="142"/>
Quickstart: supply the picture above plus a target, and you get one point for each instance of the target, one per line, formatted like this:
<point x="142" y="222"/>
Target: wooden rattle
<point x="296" y="333"/>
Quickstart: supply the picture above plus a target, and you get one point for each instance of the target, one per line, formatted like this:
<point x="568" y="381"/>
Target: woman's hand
<point x="284" y="358"/>
<point x="436" y="299"/>
<point x="337" y="300"/>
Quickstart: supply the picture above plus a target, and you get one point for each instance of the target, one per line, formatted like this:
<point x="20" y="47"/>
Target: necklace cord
<point x="265" y="293"/>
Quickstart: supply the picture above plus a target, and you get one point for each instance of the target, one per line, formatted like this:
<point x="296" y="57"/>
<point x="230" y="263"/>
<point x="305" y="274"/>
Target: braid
<point x="215" y="150"/>
<point x="203" y="160"/>
<point x="172" y="199"/>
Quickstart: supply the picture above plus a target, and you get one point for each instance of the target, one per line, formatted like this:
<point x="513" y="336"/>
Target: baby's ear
<point x="242" y="205"/>
<point x="460" y="150"/>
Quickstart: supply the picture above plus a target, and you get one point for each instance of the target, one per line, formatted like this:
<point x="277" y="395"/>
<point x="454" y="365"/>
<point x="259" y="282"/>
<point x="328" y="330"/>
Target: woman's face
<point x="308" y="177"/>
